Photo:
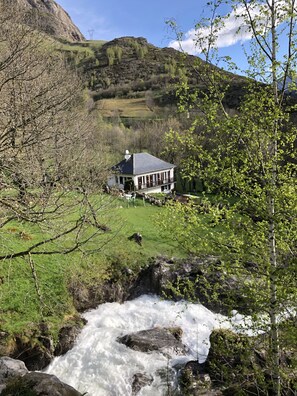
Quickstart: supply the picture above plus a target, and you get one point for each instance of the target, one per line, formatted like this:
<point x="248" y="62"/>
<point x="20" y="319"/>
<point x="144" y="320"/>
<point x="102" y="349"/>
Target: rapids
<point x="100" y="366"/>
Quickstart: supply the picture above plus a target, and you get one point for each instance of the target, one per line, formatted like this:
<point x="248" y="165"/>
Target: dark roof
<point x="141" y="163"/>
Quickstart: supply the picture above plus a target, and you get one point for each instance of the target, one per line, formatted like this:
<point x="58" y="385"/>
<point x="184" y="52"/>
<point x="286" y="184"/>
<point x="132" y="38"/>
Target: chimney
<point x="127" y="155"/>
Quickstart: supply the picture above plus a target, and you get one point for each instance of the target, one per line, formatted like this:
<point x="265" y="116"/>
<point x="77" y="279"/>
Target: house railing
<point x="155" y="183"/>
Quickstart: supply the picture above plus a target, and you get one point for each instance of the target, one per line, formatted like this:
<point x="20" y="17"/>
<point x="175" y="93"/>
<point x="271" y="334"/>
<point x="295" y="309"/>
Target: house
<point x="143" y="172"/>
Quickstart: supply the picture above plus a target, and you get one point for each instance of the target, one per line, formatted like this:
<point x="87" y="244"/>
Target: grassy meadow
<point x="26" y="298"/>
<point x="125" y="107"/>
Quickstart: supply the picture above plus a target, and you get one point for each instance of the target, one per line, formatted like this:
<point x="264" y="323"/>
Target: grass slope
<point x="22" y="308"/>
<point x="132" y="108"/>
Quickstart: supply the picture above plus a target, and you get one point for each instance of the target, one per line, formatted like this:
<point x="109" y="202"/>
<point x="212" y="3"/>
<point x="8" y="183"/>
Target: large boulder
<point x="10" y="368"/>
<point x="15" y="379"/>
<point x="195" y="279"/>
<point x="164" y="340"/>
<point x="230" y="357"/>
<point x="38" y="384"/>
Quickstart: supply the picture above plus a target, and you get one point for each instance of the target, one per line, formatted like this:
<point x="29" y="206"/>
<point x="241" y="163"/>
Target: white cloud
<point x="233" y="29"/>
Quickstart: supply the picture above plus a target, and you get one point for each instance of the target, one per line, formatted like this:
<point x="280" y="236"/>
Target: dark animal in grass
<point x="137" y="237"/>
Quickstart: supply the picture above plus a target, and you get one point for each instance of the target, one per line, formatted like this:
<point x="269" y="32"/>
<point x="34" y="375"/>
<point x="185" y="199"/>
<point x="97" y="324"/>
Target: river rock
<point x="164" y="340"/>
<point x="139" y="381"/>
<point x="68" y="335"/>
<point x="38" y="384"/>
<point x="11" y="368"/>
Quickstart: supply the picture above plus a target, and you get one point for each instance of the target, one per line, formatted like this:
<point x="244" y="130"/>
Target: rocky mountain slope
<point x="49" y="17"/>
<point x="132" y="74"/>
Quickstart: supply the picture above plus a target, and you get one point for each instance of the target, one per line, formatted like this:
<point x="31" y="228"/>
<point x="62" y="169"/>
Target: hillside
<point x="136" y="72"/>
<point x="141" y="77"/>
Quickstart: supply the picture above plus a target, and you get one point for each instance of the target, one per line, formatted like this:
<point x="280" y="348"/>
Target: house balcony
<point x="154" y="184"/>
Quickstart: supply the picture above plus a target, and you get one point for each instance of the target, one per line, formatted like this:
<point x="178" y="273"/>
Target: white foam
<point x="101" y="366"/>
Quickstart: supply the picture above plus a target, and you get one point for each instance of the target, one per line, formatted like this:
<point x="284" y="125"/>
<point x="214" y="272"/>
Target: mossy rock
<point x="17" y="387"/>
<point x="230" y="357"/>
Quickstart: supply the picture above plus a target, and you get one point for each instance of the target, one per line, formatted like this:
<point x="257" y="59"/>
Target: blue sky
<point x="108" y="19"/>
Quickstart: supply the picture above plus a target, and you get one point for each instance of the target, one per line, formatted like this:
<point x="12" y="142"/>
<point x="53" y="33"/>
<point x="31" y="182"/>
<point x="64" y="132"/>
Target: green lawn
<point x="19" y="301"/>
<point x="143" y="219"/>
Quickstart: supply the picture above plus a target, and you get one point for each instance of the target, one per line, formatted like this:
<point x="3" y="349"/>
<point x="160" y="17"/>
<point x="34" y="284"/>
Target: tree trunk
<point x="274" y="337"/>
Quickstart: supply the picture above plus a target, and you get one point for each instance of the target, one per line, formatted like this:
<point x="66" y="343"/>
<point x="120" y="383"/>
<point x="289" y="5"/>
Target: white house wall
<point x="154" y="182"/>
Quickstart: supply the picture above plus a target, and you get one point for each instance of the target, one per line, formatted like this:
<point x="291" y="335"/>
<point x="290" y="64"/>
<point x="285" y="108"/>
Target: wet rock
<point x="139" y="381"/>
<point x="68" y="335"/>
<point x="164" y="340"/>
<point x="38" y="384"/>
<point x="33" y="352"/>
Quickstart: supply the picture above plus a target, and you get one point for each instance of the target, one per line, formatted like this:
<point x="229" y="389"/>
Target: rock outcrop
<point x="49" y="17"/>
<point x="36" y="347"/>
<point x="237" y="365"/>
<point x="193" y="279"/>
<point x="36" y="353"/>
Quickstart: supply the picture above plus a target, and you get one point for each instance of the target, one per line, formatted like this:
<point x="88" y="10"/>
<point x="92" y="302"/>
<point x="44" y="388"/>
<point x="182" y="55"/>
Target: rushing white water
<point x="101" y="366"/>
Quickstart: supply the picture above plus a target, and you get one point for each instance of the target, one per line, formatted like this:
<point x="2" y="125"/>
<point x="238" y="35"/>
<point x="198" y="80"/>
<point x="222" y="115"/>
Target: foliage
<point x="114" y="53"/>
<point x="140" y="49"/>
<point x="248" y="154"/>
<point x="42" y="114"/>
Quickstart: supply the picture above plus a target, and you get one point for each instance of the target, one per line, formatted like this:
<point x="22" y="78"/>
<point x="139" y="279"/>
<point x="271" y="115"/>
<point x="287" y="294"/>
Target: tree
<point x="247" y="154"/>
<point x="45" y="134"/>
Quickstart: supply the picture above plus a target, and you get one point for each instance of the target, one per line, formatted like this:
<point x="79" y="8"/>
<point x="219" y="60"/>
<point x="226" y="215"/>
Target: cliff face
<point x="49" y="17"/>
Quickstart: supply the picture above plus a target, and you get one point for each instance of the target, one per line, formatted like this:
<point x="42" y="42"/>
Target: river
<point x="100" y="366"/>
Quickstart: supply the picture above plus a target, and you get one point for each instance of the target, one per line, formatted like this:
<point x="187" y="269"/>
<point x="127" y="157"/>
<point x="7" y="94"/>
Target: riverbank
<point x="44" y="288"/>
